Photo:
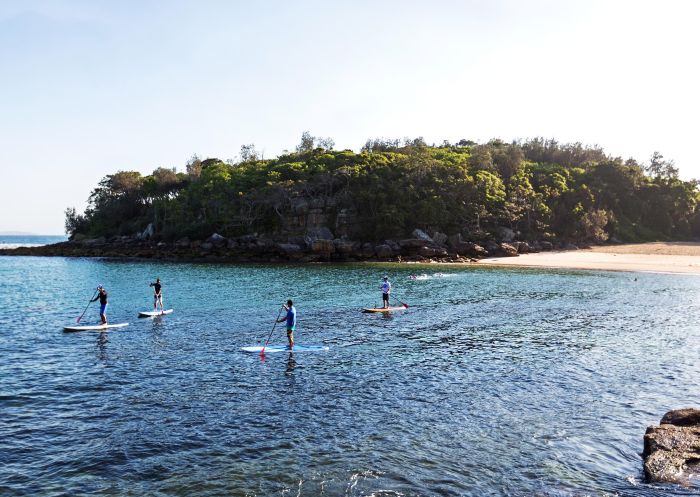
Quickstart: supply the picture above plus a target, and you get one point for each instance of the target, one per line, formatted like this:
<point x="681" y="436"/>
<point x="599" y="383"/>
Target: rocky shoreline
<point x="314" y="247"/>
<point x="672" y="449"/>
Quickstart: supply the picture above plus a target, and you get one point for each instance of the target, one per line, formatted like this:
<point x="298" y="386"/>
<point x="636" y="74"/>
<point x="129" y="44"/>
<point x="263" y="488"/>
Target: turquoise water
<point x="492" y="382"/>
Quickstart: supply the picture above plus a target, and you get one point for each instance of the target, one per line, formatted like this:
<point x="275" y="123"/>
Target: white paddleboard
<point x="285" y="348"/>
<point x="381" y="309"/>
<point x="154" y="314"/>
<point x="96" y="327"/>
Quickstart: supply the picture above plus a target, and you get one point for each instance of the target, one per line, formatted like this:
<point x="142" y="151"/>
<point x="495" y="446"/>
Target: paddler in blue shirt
<point x="291" y="319"/>
<point x="386" y="290"/>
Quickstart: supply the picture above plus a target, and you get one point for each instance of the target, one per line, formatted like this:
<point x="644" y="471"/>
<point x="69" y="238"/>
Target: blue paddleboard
<point x="285" y="348"/>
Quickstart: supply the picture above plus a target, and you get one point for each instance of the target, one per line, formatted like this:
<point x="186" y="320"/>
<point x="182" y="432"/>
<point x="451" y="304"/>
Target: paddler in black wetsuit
<point x="102" y="295"/>
<point x="157" y="295"/>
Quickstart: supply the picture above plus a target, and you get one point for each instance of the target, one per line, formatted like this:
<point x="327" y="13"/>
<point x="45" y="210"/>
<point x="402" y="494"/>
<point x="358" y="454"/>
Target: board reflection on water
<point x="492" y="382"/>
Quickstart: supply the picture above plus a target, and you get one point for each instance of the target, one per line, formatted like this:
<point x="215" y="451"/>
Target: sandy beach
<point x="656" y="257"/>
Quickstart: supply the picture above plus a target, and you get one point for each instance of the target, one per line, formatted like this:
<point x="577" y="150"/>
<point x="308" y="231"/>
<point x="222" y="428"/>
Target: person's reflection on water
<point x="157" y="323"/>
<point x="158" y="337"/>
<point x="101" y="346"/>
<point x="291" y="363"/>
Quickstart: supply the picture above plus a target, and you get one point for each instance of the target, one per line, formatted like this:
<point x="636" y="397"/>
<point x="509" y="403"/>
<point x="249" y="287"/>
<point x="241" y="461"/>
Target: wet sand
<point x="656" y="257"/>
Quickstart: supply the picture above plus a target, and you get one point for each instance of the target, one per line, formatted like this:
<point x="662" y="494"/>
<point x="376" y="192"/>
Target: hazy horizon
<point x="101" y="87"/>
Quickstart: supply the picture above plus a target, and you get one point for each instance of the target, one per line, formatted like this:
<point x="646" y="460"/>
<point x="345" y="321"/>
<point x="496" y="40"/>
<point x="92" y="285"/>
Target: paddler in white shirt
<point x="386" y="290"/>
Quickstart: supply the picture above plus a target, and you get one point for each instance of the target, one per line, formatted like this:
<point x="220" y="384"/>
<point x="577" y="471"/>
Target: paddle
<point x="404" y="304"/>
<point x="262" y="352"/>
<point x="86" y="307"/>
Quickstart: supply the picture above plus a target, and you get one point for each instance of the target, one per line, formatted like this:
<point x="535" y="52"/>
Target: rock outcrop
<point x="315" y="244"/>
<point x="672" y="449"/>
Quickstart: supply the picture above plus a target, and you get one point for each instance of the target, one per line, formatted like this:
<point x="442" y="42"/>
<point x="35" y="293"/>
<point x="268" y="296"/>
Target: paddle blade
<point x="405" y="305"/>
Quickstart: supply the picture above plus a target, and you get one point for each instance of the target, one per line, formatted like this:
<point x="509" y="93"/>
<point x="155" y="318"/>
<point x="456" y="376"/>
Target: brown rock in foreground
<point x="672" y="449"/>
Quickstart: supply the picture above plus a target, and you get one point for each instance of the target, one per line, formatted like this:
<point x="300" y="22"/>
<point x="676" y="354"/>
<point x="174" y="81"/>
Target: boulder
<point x="507" y="250"/>
<point x="412" y="243"/>
<point x="682" y="417"/>
<point x="297" y="240"/>
<point x="432" y="251"/>
<point x="393" y="245"/>
<point x="343" y="246"/>
<point x="91" y="242"/>
<point x="427" y="251"/>
<point x="672" y="449"/>
<point x="217" y="240"/>
<point x="262" y="244"/>
<point x="421" y="235"/>
<point x="546" y="246"/>
<point x="290" y="249"/>
<point x="492" y="248"/>
<point x="206" y="246"/>
<point x="322" y="246"/>
<point x="183" y="243"/>
<point x="383" y="251"/>
<point x="471" y="249"/>
<point x="321" y="233"/>
<point x="246" y="239"/>
<point x="505" y="234"/>
<point x="440" y="238"/>
<point x="524" y="248"/>
<point x="367" y="250"/>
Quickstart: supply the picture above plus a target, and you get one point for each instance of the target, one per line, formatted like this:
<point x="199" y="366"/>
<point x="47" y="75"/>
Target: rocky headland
<point x="318" y="245"/>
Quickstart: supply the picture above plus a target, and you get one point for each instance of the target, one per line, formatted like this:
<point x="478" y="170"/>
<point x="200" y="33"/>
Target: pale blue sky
<point x="89" y="88"/>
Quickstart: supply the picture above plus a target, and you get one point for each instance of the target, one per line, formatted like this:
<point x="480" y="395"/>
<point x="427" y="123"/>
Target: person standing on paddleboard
<point x="102" y="296"/>
<point x="291" y="319"/>
<point x="386" y="290"/>
<point x="157" y="295"/>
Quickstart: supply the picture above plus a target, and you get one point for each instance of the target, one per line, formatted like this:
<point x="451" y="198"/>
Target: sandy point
<point x="655" y="257"/>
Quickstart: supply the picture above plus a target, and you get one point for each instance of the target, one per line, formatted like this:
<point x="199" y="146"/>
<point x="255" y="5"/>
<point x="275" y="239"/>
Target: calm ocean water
<point x="14" y="241"/>
<point x="493" y="382"/>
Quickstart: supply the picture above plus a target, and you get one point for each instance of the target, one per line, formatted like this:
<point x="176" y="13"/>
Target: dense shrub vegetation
<point x="539" y="188"/>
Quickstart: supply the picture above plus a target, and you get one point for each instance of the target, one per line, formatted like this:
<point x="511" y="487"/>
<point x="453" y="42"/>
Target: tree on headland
<point x="194" y="166"/>
<point x="249" y="153"/>
<point x="308" y="143"/>
<point x="659" y="168"/>
<point x="541" y="189"/>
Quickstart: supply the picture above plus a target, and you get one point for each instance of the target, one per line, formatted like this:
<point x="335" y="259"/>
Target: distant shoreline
<point x="653" y="257"/>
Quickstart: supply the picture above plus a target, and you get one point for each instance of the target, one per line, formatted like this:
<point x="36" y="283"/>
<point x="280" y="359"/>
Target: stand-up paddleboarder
<point x="102" y="296"/>
<point x="386" y="290"/>
<point x="291" y="319"/>
<point x="157" y="295"/>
